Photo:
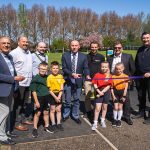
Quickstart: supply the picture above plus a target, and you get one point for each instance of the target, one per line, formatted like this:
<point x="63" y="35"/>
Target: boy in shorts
<point x="41" y="98"/>
<point x="102" y="87"/>
<point x="55" y="83"/>
<point x="119" y="93"/>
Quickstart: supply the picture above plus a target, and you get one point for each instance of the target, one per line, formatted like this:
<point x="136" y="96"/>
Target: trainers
<point x="35" y="133"/>
<point x="49" y="129"/>
<point x="54" y="128"/>
<point x="114" y="123"/>
<point x="103" y="124"/>
<point x="60" y="127"/>
<point x="94" y="127"/>
<point x="118" y="123"/>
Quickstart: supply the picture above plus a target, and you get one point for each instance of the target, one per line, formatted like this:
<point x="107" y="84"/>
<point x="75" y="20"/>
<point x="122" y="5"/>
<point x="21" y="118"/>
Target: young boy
<point x="55" y="83"/>
<point x="41" y="98"/>
<point x="103" y="93"/>
<point x="119" y="93"/>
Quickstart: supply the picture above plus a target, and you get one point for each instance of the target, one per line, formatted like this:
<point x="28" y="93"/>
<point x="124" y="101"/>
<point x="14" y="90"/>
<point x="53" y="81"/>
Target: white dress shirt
<point x="116" y="59"/>
<point x="23" y="65"/>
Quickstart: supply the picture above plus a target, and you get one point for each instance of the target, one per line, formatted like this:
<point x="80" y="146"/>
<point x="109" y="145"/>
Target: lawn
<point x="57" y="56"/>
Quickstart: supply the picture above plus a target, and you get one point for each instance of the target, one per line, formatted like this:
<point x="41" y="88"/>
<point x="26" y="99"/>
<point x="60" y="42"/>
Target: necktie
<point x="73" y="63"/>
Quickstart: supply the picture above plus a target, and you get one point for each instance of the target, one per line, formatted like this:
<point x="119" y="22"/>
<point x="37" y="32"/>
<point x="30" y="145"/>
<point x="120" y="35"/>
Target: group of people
<point x="23" y="73"/>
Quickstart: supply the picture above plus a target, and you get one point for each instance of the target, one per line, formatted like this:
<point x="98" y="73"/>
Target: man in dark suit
<point x="7" y="85"/>
<point x="74" y="66"/>
<point x="128" y="62"/>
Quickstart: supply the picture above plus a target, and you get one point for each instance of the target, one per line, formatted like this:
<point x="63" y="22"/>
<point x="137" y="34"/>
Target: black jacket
<point x="128" y="62"/>
<point x="142" y="60"/>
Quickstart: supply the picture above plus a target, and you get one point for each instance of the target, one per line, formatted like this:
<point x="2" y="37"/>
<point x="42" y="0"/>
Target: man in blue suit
<point x="74" y="66"/>
<point x="7" y="86"/>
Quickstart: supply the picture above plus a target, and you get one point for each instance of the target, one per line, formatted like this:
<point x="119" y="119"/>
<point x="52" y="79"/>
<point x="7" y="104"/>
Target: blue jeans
<point x="72" y="90"/>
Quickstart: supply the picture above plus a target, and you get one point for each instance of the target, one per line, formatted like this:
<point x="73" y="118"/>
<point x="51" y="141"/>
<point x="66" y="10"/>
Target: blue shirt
<point x="9" y="64"/>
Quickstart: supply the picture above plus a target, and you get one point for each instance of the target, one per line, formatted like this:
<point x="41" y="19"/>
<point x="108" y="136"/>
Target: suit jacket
<point x="128" y="62"/>
<point x="82" y="67"/>
<point x="6" y="79"/>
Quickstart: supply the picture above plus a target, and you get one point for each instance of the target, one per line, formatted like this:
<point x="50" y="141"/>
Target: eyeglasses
<point x="118" y="47"/>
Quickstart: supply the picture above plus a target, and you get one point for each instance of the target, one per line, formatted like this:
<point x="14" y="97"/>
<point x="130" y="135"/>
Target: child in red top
<point x="102" y="87"/>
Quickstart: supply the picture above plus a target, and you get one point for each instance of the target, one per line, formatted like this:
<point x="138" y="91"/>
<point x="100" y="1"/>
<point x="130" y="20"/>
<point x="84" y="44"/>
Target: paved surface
<point x="80" y="137"/>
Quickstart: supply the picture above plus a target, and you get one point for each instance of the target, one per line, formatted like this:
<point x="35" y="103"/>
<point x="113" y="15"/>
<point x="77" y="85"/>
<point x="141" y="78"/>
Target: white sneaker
<point x="94" y="127"/>
<point x="103" y="124"/>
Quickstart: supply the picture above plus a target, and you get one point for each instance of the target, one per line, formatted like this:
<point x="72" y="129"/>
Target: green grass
<point x="57" y="56"/>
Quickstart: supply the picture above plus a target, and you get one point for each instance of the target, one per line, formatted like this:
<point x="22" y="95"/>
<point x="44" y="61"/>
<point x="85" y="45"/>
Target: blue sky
<point x="121" y="7"/>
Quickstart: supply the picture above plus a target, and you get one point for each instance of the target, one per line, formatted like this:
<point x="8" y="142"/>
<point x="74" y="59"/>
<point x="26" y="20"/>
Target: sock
<point x="95" y="122"/>
<point x="115" y="114"/>
<point x="102" y="119"/>
<point x="120" y="112"/>
<point x="47" y="125"/>
<point x="53" y="123"/>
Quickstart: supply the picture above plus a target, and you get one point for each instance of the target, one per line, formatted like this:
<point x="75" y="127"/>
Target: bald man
<point x="39" y="56"/>
<point x="23" y="64"/>
<point x="75" y="67"/>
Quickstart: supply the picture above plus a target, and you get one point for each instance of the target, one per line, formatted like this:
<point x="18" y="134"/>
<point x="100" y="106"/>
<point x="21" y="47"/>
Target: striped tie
<point x="73" y="63"/>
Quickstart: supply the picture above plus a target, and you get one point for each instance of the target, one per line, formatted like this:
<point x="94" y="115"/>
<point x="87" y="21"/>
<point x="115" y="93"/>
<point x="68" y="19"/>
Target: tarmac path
<point x="81" y="137"/>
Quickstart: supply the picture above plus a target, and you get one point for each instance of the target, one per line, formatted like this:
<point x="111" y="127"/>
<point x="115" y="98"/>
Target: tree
<point x="23" y="20"/>
<point x="58" y="44"/>
<point x="94" y="37"/>
<point x="52" y="21"/>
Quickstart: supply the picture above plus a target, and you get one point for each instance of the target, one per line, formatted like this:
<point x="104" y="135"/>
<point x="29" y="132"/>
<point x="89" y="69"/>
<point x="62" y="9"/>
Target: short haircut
<point x="43" y="64"/>
<point x="119" y="64"/>
<point x="54" y="63"/>
<point x="3" y="37"/>
<point x="117" y="42"/>
<point x="105" y="62"/>
<point x="21" y="37"/>
<point x="144" y="33"/>
<point x="94" y="42"/>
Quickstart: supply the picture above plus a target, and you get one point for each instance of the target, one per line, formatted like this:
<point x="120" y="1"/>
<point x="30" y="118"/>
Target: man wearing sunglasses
<point x="128" y="62"/>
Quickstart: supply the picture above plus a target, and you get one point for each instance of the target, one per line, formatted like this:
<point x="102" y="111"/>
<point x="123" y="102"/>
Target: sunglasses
<point x="118" y="47"/>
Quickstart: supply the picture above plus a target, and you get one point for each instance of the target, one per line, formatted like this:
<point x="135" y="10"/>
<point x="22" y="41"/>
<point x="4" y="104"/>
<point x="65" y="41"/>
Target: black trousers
<point x="22" y="104"/>
<point x="143" y="88"/>
<point x="127" y="107"/>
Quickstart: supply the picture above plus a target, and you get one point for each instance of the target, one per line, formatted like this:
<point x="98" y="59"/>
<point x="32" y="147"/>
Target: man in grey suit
<point x="74" y="66"/>
<point x="129" y="65"/>
<point x="7" y="85"/>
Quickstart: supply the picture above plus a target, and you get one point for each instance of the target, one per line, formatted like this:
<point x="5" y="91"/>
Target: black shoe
<point x="129" y="121"/>
<point x="118" y="123"/>
<point x="7" y="142"/>
<point x="49" y="129"/>
<point x="60" y="127"/>
<point x="147" y="121"/>
<point x="114" y="123"/>
<point x="11" y="134"/>
<point x="64" y="119"/>
<point x="78" y="121"/>
<point x="35" y="133"/>
<point x="139" y="115"/>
